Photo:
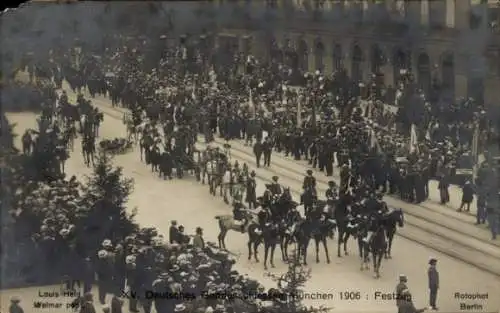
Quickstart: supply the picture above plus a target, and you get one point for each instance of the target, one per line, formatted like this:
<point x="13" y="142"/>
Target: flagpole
<point x="475" y="151"/>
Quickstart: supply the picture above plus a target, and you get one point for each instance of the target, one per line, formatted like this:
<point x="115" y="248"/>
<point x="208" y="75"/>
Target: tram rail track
<point x="467" y="247"/>
<point x="447" y="240"/>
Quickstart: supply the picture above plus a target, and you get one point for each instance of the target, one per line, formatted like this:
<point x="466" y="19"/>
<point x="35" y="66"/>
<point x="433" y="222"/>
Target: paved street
<point x="187" y="201"/>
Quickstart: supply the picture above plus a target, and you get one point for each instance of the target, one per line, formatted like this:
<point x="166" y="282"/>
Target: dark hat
<point x="275" y="178"/>
<point x="331" y="183"/>
<point x="432" y="261"/>
<point x="309" y="172"/>
<point x="252" y="174"/>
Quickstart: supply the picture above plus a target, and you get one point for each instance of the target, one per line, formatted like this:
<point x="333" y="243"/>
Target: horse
<point x="271" y="237"/>
<point x="254" y="240"/>
<point x="308" y="199"/>
<point x="392" y="220"/>
<point x="88" y="149"/>
<point x="227" y="223"/>
<point x="288" y="235"/>
<point x="378" y="248"/>
<point x="303" y="236"/>
<point x="376" y="245"/>
<point x="215" y="171"/>
<point x="338" y="211"/>
<point x="324" y="229"/>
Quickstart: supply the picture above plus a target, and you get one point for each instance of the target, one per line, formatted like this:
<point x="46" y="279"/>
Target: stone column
<point x="462" y="14"/>
<point x="424" y="14"/>
<point x="414" y="13"/>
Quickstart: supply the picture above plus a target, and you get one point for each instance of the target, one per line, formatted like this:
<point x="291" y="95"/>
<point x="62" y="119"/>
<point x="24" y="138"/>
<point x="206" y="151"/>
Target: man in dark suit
<point x="433" y="283"/>
<point x="399" y="289"/>
<point x="173" y="232"/>
<point x="257" y="150"/>
<point x="267" y="149"/>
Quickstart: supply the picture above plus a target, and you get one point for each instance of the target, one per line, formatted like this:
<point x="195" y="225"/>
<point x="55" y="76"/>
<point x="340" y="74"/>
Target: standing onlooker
<point x="481" y="192"/>
<point x="257" y="150"/>
<point x="399" y="289"/>
<point x="467" y="196"/>
<point x="116" y="304"/>
<point x="88" y="304"/>
<point x="198" y="240"/>
<point x="433" y="283"/>
<point x="14" y="305"/>
<point x="444" y="183"/>
<point x="173" y="232"/>
<point x="267" y="149"/>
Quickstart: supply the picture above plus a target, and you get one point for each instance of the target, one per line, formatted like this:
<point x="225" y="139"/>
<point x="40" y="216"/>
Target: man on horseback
<point x="373" y="224"/>
<point x="239" y="213"/>
<point x="331" y="194"/>
<point x="275" y="187"/>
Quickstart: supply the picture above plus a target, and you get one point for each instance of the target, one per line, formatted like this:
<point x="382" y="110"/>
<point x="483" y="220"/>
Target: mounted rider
<point x="309" y="182"/>
<point x="275" y="187"/>
<point x="331" y="193"/>
<point x="239" y="213"/>
<point x="373" y="223"/>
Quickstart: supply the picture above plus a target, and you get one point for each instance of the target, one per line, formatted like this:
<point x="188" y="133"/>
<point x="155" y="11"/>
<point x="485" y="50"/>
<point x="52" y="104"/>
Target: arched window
<point x="424" y="72"/>
<point x="400" y="61"/>
<point x="377" y="59"/>
<point x="448" y="73"/>
<point x="357" y="59"/>
<point x="275" y="51"/>
<point x="303" y="55"/>
<point x="337" y="57"/>
<point x="319" y="53"/>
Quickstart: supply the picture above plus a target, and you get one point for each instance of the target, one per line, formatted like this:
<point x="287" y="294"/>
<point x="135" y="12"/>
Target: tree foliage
<point x="107" y="192"/>
<point x="291" y="289"/>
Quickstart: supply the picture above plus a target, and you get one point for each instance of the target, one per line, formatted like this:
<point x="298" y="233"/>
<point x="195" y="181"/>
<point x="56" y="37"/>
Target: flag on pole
<point x="413" y="138"/>
<point x="475" y="151"/>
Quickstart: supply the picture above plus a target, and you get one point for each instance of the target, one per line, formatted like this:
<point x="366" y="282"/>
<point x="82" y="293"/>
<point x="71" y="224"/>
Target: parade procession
<point x="165" y="158"/>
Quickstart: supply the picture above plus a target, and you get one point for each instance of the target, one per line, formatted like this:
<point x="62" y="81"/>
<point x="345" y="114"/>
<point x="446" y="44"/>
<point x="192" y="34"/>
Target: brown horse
<point x="227" y="223"/>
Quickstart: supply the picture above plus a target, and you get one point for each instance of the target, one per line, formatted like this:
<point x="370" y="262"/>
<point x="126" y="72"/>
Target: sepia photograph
<point x="250" y="156"/>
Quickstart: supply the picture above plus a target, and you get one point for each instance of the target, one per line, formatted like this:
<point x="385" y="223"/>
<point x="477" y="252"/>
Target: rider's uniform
<point x="309" y="182"/>
<point x="331" y="195"/>
<point x="275" y="188"/>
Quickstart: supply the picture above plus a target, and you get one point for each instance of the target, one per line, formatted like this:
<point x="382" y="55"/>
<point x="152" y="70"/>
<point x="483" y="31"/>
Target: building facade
<point x="454" y="42"/>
